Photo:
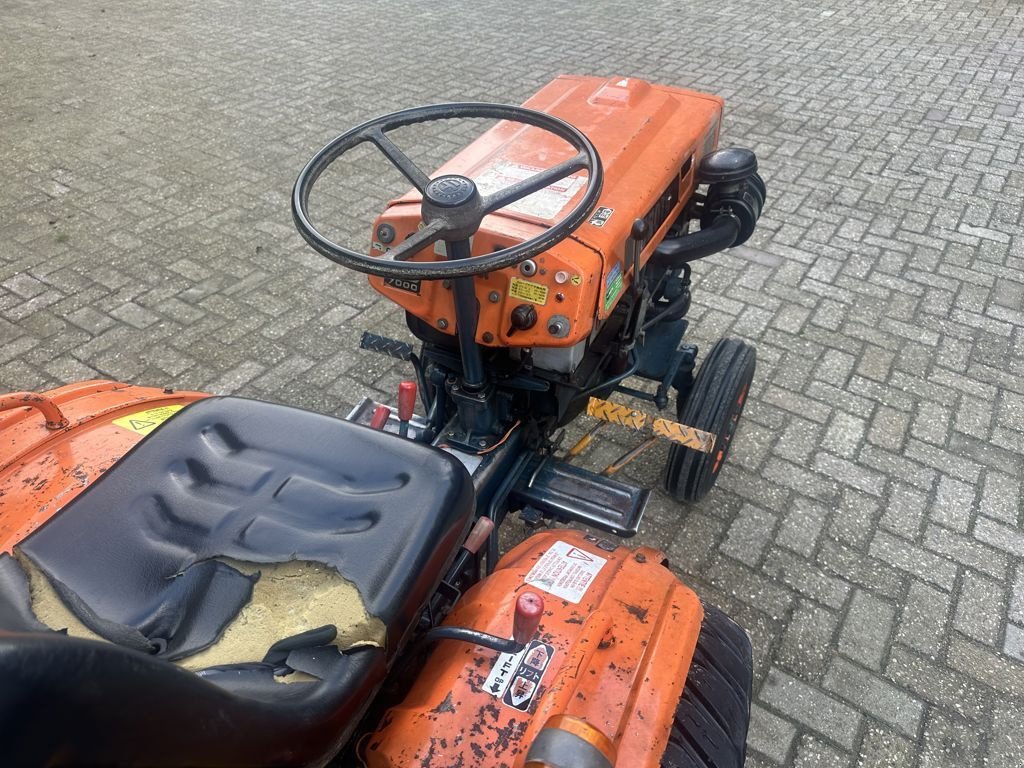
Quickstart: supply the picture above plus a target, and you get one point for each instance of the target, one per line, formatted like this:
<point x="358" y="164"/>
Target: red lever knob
<point x="406" y="400"/>
<point x="529" y="609"/>
<point x="380" y="417"/>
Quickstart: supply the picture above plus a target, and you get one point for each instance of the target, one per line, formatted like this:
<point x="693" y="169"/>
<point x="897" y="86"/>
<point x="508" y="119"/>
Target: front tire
<point x="715" y="405"/>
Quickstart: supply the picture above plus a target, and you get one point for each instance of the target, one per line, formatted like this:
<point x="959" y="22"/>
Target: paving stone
<point x="876" y="696"/>
<point x="884" y="748"/>
<point x="949" y="742"/>
<point x="815" y="709"/>
<point x="812" y="752"/>
<point x="866" y="629"/>
<point x="966" y="551"/>
<point x="997" y="671"/>
<point x="1007" y="742"/>
<point x="808" y="639"/>
<point x="1001" y="497"/>
<point x="749" y="534"/>
<point x="947" y="689"/>
<point x="1013" y="645"/>
<point x="770" y="734"/>
<point x="953" y="504"/>
<point x="923" y="618"/>
<point x="916" y="561"/>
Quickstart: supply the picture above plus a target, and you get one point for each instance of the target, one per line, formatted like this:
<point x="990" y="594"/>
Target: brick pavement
<point x="868" y="529"/>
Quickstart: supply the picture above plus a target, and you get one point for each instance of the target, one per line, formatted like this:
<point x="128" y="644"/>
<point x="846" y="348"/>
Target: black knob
<point x="524" y="317"/>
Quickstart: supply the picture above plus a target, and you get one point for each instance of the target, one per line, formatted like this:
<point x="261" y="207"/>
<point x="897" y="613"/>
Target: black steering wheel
<point x="452" y="207"/>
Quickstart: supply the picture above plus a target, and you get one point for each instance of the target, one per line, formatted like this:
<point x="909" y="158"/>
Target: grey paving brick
<point x="817" y="710"/>
<point x="802" y="525"/>
<point x="913" y="559"/>
<point x="1007" y="743"/>
<point x="954" y="502"/>
<point x="949" y="742"/>
<point x="867" y="629"/>
<point x="923" y="618"/>
<point x="875" y="696"/>
<point x="997" y="671"/>
<point x="770" y="734"/>
<point x="884" y="748"/>
<point x="947" y="689"/>
<point x="749" y="534"/>
<point x="814" y="752"/>
<point x="965" y="550"/>
<point x="808" y="639"/>
<point x="1001" y="497"/>
<point x="1017" y="597"/>
<point x="1004" y="537"/>
<point x="1013" y="644"/>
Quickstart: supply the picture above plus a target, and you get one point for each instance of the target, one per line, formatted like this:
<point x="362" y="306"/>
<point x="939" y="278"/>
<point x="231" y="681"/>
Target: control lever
<point x="380" y="417"/>
<point x="406" y="405"/>
<point x="529" y="609"/>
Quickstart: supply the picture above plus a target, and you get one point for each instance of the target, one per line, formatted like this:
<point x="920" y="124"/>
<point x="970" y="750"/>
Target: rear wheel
<point x="710" y="726"/>
<point x="715" y="405"/>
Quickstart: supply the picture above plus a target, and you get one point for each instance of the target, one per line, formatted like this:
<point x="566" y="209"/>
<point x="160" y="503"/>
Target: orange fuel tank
<point x="54" y="445"/>
<point x="651" y="139"/>
<point x="608" y="662"/>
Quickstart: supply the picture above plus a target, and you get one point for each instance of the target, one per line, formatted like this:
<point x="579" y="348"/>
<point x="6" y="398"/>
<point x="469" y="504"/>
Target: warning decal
<point x="536" y="293"/>
<point x="545" y="203"/>
<point x="565" y="571"/>
<point x="516" y="677"/>
<point x="145" y="422"/>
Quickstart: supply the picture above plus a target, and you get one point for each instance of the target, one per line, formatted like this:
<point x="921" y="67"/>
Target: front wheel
<point x="715" y="405"/>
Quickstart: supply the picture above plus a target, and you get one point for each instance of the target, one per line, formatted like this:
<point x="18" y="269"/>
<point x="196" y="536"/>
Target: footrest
<point x="569" y="493"/>
<point x="399" y="350"/>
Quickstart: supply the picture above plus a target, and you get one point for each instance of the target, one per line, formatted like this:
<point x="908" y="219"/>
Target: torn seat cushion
<point x="142" y="557"/>
<point x="135" y="556"/>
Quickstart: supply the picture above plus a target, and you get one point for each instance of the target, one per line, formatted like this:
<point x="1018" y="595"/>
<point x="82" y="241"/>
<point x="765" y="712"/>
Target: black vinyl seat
<point x="139" y="558"/>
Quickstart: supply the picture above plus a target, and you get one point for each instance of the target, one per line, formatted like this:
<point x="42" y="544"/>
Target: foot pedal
<point x="399" y="350"/>
<point x="569" y="493"/>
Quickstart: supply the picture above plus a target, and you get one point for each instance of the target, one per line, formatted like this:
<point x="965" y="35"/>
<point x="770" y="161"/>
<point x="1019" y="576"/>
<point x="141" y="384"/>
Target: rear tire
<point x="715" y="405"/>
<point x="711" y="721"/>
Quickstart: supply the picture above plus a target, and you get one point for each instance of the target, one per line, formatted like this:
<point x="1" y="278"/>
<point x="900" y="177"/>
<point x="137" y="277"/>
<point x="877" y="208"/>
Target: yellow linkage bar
<point x="614" y="413"/>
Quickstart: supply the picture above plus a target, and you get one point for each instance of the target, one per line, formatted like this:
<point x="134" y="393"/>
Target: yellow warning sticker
<point x="537" y="293"/>
<point x="145" y="422"/>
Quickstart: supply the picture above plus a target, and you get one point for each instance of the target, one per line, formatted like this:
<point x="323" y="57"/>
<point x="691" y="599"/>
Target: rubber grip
<point x="529" y="609"/>
<point x="480" y="533"/>
<point x="380" y="417"/>
<point x="406" y="400"/>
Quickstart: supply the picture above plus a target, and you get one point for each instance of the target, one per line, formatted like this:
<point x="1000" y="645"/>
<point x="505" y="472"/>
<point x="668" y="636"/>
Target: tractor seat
<point x="164" y="552"/>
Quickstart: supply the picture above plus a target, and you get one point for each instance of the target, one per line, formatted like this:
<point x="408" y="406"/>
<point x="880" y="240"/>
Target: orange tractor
<point x="199" y="580"/>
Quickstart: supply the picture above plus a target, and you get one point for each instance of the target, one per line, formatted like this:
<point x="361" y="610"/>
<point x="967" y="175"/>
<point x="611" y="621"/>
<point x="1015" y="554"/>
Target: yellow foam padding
<point x="289" y="598"/>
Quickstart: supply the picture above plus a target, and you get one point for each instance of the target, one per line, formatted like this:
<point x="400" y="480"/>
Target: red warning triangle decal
<point x="579" y="554"/>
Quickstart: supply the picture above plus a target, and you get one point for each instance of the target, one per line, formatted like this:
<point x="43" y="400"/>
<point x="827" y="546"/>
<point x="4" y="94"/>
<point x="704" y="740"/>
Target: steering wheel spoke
<point x="415" y="243"/>
<point x="537" y="182"/>
<point x="398" y="158"/>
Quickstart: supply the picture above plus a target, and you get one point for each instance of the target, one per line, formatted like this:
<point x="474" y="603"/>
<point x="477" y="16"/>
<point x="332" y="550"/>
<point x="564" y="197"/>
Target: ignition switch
<point x="524" y="317"/>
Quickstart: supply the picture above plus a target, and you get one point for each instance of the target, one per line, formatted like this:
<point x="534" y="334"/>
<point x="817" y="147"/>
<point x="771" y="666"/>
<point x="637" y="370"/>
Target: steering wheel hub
<point x="450" y="191"/>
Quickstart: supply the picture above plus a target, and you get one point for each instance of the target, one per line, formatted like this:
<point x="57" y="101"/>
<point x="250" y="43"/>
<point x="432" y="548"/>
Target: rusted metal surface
<point x="52" y="413"/>
<point x="43" y="467"/>
<point x="618" y="660"/>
